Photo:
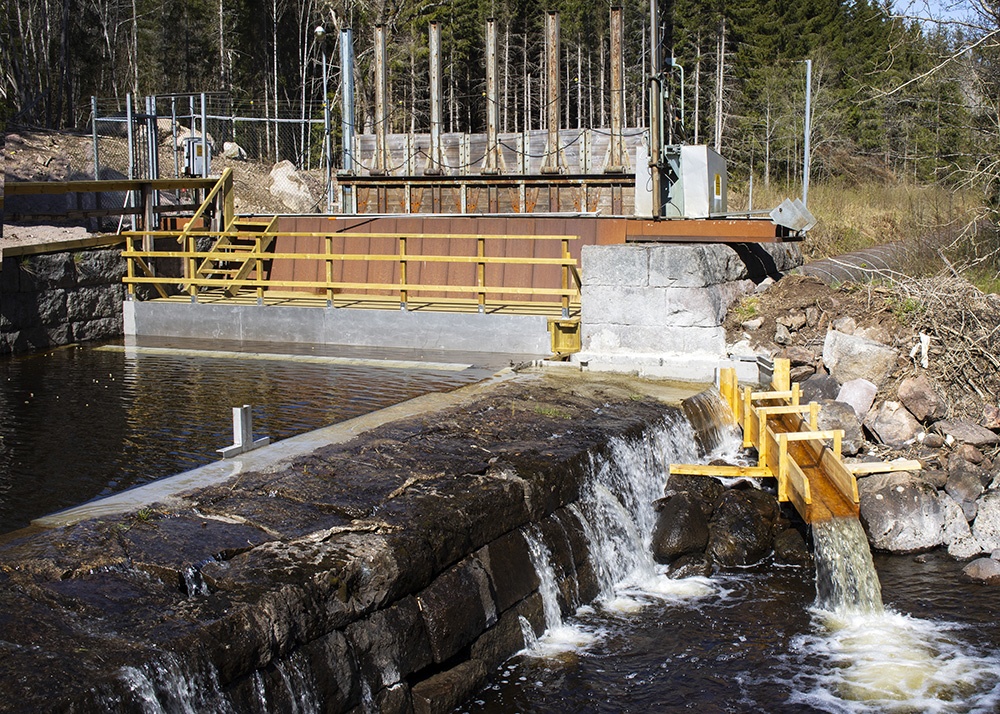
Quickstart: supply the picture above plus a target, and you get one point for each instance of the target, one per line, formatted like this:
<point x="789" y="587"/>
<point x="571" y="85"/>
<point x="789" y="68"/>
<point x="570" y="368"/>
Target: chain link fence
<point x="280" y="159"/>
<point x="277" y="153"/>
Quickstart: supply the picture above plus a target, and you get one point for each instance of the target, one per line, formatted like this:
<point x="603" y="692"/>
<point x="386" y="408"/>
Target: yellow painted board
<point x="723" y="471"/>
<point x="209" y="282"/>
<point x="839" y="475"/>
<point x="884" y="467"/>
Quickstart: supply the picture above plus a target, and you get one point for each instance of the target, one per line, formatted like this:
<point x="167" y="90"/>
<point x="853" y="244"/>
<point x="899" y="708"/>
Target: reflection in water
<point x="78" y="423"/>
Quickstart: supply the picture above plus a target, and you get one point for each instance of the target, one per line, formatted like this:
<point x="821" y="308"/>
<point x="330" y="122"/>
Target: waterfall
<point x="845" y="574"/>
<point x="615" y="510"/>
<point x="712" y="421"/>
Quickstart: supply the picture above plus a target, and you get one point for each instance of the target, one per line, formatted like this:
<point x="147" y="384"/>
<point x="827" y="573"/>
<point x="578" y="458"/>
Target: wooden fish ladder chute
<point x="791" y="448"/>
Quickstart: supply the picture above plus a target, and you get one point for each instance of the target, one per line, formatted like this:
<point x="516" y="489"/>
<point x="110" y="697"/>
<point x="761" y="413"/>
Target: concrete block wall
<point x="53" y="299"/>
<point x="657" y="309"/>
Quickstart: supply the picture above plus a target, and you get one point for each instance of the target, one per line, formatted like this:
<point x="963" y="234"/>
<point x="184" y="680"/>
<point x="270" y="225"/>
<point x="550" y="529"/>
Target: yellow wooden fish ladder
<point x="805" y="460"/>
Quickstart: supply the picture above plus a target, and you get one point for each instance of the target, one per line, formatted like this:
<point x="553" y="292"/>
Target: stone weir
<point x="389" y="573"/>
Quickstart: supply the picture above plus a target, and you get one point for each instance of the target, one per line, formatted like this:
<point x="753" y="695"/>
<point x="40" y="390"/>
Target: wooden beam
<point x="720" y="471"/>
<point x="884" y="467"/>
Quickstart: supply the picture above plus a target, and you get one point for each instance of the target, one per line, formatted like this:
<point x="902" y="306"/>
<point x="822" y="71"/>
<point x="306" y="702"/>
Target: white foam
<point x="564" y="639"/>
<point x="888" y="662"/>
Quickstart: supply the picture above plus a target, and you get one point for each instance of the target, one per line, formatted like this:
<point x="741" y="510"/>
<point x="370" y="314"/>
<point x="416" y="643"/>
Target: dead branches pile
<point x="963" y="324"/>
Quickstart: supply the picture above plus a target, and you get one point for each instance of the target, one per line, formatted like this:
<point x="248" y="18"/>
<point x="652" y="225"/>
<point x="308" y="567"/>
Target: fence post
<point x="153" y="160"/>
<point x="131" y="154"/>
<point x="97" y="158"/>
<point x="204" y="137"/>
<point x="173" y="134"/>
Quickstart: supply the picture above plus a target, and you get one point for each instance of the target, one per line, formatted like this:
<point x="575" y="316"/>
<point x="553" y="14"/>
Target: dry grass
<point x="852" y="218"/>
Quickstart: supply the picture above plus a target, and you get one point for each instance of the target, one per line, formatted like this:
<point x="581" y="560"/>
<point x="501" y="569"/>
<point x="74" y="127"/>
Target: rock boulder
<point x="681" y="527"/>
<point x="740" y="532"/>
<point x="838" y="415"/>
<point x="860" y="394"/>
<point x="903" y="513"/>
<point x="922" y="398"/>
<point x="966" y="432"/>
<point x="893" y="424"/>
<point x="984" y="570"/>
<point x="290" y="188"/>
<point x="851" y="357"/>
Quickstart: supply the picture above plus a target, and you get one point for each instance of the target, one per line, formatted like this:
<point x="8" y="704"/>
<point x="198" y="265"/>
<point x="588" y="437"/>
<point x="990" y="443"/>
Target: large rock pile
<point x="879" y="377"/>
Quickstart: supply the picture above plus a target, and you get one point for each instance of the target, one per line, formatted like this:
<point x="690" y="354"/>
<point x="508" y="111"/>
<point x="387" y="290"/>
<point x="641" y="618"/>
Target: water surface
<point x="83" y="422"/>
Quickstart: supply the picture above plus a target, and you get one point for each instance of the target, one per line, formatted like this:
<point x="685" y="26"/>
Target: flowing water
<point x="764" y="639"/>
<point x="79" y="423"/>
<point x="761" y="639"/>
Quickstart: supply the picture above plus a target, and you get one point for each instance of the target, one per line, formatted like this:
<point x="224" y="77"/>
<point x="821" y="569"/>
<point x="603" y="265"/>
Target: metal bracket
<point x="243" y="440"/>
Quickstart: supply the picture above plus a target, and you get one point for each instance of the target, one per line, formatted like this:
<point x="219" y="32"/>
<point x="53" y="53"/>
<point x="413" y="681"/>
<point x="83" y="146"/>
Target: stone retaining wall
<point x="658" y="309"/>
<point x="53" y="299"/>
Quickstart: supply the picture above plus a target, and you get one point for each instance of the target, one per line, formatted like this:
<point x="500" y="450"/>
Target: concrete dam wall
<point x="391" y="573"/>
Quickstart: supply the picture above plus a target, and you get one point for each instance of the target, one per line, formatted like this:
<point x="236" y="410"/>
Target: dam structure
<point x="611" y="248"/>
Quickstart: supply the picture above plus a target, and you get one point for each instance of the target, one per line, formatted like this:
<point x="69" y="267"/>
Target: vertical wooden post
<point x="783" y="467"/>
<point x="781" y="379"/>
<point x="381" y="107"/>
<point x="552" y="163"/>
<point x="403" y="295"/>
<point x="747" y="418"/>
<point x="192" y="263"/>
<point x="435" y="158"/>
<point x="494" y="158"/>
<point x="481" y="273"/>
<point x="130" y="266"/>
<point x="617" y="161"/>
<point x="328" y="250"/>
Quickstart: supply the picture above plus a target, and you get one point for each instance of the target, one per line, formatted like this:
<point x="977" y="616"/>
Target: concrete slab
<point x="525" y="334"/>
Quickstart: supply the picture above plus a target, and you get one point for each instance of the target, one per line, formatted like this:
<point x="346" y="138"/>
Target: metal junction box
<point x="197" y="156"/>
<point x="695" y="181"/>
<point x="699" y="189"/>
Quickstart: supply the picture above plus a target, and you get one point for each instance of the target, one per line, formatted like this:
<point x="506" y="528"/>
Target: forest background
<point x="898" y="103"/>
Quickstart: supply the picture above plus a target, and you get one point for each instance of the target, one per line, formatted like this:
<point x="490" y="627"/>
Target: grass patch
<point x="858" y="216"/>
<point x="747" y="308"/>
<point x="552" y="412"/>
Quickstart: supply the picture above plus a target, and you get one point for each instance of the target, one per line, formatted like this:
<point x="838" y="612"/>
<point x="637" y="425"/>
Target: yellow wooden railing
<point x="791" y="448"/>
<point x="140" y="254"/>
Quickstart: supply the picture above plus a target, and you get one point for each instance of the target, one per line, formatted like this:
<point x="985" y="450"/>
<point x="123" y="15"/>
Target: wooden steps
<point x="233" y="250"/>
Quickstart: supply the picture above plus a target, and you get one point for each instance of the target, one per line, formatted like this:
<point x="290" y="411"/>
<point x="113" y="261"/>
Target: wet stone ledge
<point x="389" y="574"/>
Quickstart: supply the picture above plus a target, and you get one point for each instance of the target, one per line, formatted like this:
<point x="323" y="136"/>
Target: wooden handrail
<point x="224" y="181"/>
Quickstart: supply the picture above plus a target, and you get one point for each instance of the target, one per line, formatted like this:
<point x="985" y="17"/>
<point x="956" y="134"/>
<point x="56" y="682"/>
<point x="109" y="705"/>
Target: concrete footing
<point x="521" y="334"/>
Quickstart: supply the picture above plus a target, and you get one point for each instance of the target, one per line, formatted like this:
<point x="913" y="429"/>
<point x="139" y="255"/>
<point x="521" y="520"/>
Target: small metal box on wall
<point x="699" y="190"/>
<point x="197" y="156"/>
<point x="695" y="178"/>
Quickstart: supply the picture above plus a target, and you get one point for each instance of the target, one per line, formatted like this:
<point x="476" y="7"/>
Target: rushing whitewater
<point x="617" y="514"/>
<point x="846" y="580"/>
<point x="857" y="657"/>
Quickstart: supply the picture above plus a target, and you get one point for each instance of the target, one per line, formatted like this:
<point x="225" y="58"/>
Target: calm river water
<point x="82" y="422"/>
